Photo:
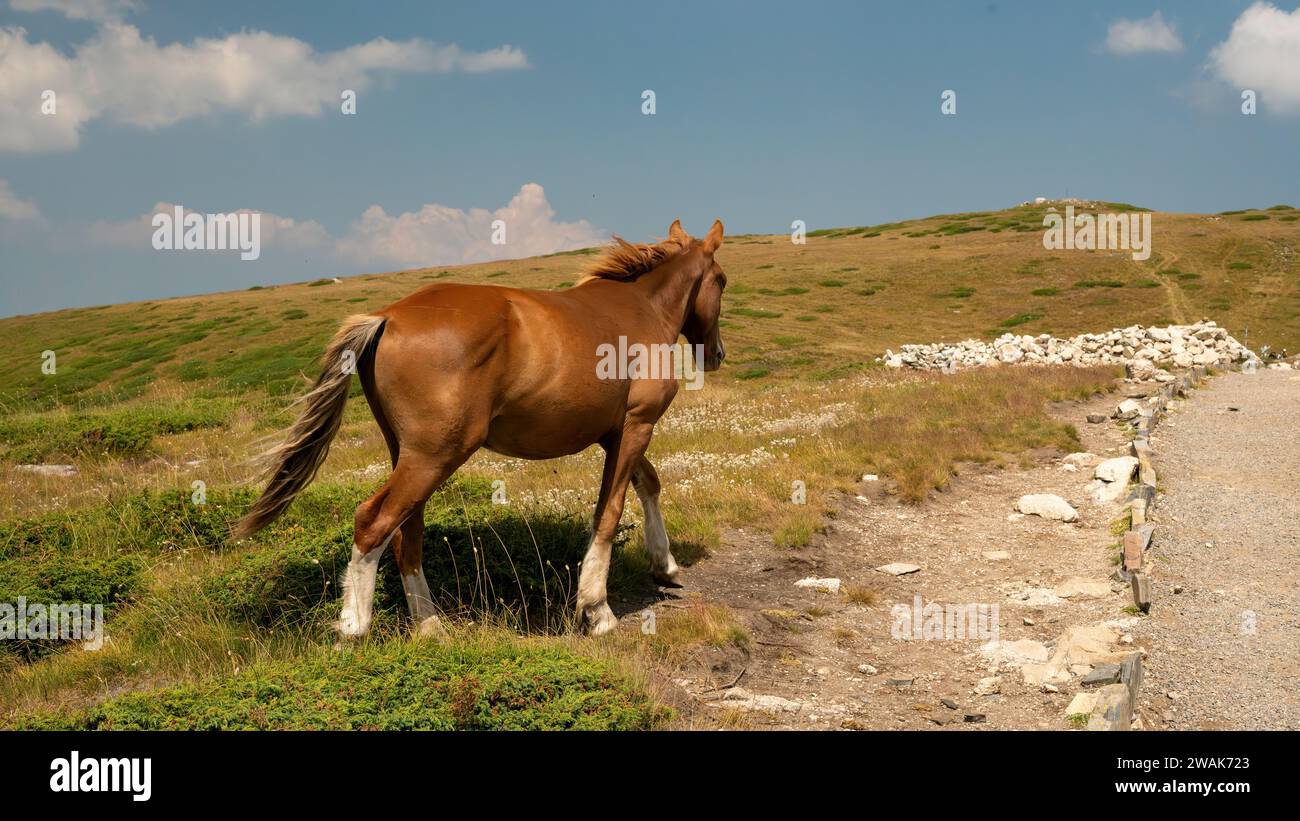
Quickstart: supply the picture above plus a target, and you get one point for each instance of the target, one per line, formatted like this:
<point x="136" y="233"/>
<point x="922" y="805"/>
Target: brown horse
<point x="453" y="368"/>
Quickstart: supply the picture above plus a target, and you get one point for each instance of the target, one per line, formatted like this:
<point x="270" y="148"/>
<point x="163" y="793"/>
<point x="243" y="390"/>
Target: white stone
<point x="742" y="699"/>
<point x="48" y="470"/>
<point x="990" y="686"/>
<point x="1075" y="587"/>
<point x="898" y="568"/>
<point x="1022" y="651"/>
<point x="1107" y="492"/>
<point x="1081" y="703"/>
<point x="1120" y="469"/>
<point x="1048" y="506"/>
<point x="1077" y="650"/>
<point x="829" y="585"/>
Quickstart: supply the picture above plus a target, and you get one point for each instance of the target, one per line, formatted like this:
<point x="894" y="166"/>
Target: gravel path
<point x="1227" y="647"/>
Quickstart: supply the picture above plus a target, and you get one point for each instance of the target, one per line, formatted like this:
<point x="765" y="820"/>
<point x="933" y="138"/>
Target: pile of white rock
<point x="1143" y="349"/>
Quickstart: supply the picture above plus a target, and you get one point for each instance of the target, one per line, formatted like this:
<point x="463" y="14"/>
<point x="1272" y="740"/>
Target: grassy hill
<point x="151" y="399"/>
<point x="808" y="311"/>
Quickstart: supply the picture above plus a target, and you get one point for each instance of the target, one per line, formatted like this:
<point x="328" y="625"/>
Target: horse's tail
<point x="296" y="460"/>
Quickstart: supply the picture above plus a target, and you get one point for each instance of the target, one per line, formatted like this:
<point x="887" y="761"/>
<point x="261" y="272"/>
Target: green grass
<point x="1018" y="319"/>
<point x="957" y="293"/>
<point x="480" y="559"/>
<point x="126" y="431"/>
<point x="396" y="685"/>
<point x="754" y="313"/>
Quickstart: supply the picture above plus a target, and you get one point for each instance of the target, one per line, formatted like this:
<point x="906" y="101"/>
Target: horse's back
<point x="524" y="361"/>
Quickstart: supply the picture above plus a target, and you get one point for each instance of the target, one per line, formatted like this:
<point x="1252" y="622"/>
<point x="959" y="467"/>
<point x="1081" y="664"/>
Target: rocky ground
<point x="832" y="659"/>
<point x="1221" y="652"/>
<point x="1176" y="346"/>
<point x="1224" y="631"/>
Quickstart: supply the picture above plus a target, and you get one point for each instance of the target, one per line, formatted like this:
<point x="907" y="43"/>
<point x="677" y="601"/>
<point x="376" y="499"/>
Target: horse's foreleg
<point x="621" y="457"/>
<point x="662" y="566"/>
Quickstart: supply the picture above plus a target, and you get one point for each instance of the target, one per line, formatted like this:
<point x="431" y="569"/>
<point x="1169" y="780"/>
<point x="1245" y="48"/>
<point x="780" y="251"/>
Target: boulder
<point x="1120" y="469"/>
<point x="1047" y="506"/>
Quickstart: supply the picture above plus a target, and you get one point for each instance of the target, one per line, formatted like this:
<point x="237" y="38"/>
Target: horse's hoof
<point x="666" y="580"/>
<point x="598" y="620"/>
<point x="349" y="627"/>
<point x="432" y="628"/>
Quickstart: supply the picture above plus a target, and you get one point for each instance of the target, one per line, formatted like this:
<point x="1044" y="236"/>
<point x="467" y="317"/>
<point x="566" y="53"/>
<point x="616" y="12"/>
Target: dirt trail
<point x="1227" y="646"/>
<point x="823" y="660"/>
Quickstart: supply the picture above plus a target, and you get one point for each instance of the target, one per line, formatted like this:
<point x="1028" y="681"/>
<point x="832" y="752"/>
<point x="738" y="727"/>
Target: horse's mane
<point x="626" y="260"/>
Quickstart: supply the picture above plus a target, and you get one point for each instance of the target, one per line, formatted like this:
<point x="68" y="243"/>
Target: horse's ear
<point x="677" y="234"/>
<point x="713" y="240"/>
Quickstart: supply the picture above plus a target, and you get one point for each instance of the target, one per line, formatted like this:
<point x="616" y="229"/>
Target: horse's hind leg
<point x="378" y="521"/>
<point x="662" y="566"/>
<point x="408" y="550"/>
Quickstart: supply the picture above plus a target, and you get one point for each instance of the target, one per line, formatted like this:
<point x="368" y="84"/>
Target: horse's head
<point x="701" y="326"/>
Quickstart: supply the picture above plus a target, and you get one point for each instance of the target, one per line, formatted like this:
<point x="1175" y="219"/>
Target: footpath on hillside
<point x="826" y="650"/>
<point x="1224" y="631"/>
<point x="1220" y="646"/>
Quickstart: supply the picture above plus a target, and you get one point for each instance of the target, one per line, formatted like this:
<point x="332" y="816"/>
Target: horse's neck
<point x="669" y="288"/>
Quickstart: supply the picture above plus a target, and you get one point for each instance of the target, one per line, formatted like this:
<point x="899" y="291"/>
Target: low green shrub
<point x="390" y="686"/>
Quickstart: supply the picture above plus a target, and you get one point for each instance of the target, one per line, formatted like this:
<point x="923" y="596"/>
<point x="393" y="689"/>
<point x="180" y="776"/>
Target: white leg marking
<point x="593" y="609"/>
<point x="656" y="536"/>
<point x="418" y="597"/>
<point x="359" y="591"/>
<point x="420" y="600"/>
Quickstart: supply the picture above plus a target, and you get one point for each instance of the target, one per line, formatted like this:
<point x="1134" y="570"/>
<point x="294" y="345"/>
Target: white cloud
<point x="96" y="10"/>
<point x="1143" y="36"/>
<point x="440" y="235"/>
<point x="433" y="235"/>
<point x="13" y="208"/>
<point x="1262" y="53"/>
<point x="126" y="78"/>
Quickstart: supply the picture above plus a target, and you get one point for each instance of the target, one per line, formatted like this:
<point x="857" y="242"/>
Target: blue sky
<point x="765" y="113"/>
